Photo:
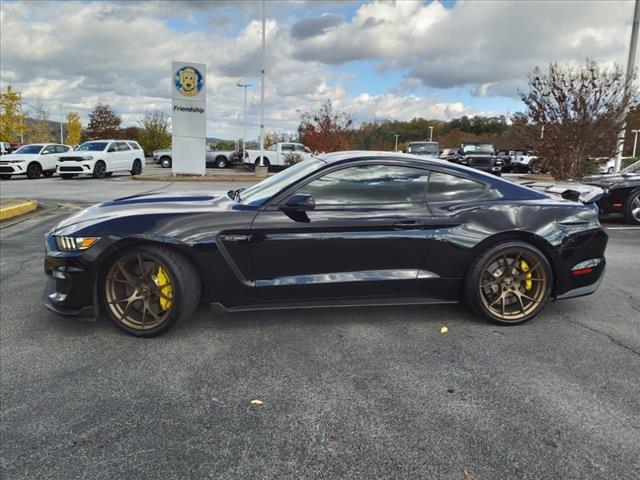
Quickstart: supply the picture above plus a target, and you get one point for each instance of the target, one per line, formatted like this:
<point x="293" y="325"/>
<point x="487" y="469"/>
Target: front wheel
<point x="165" y="162"/>
<point x="509" y="283"/>
<point x="221" y="162"/>
<point x="632" y="208"/>
<point x="34" y="170"/>
<point x="99" y="170"/>
<point x="146" y="290"/>
<point x="136" y="169"/>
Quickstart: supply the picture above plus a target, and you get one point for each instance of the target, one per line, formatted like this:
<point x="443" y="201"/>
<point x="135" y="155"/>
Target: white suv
<point x="101" y="158"/>
<point x="32" y="160"/>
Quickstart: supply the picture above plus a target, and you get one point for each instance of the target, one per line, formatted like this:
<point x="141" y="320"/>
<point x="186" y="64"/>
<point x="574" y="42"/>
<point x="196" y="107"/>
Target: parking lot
<point x="347" y="393"/>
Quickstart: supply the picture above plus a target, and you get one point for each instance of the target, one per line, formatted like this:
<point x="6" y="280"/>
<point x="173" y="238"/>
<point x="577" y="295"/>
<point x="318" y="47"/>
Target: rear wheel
<point x="66" y="176"/>
<point x="34" y="170"/>
<point x="5" y="177"/>
<point x="632" y="208"/>
<point x="148" y="289"/>
<point x="136" y="169"/>
<point x="99" y="170"/>
<point x="510" y="283"/>
<point x="165" y="162"/>
<point x="221" y="162"/>
<point x="265" y="162"/>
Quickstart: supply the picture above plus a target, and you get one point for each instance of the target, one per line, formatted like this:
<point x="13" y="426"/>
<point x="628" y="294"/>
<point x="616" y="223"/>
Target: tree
<point x="225" y="145"/>
<point x="11" y="117"/>
<point x="154" y="133"/>
<point x="325" y="130"/>
<point x="582" y="111"/>
<point x="39" y="129"/>
<point x="103" y="122"/>
<point x="74" y="128"/>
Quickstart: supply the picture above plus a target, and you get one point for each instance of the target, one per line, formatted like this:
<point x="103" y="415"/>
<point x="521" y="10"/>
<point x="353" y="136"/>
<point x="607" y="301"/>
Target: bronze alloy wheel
<point x="139" y="291"/>
<point x="513" y="284"/>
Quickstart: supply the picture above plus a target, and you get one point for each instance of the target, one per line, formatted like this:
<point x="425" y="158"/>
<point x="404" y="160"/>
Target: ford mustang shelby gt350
<point x="343" y="229"/>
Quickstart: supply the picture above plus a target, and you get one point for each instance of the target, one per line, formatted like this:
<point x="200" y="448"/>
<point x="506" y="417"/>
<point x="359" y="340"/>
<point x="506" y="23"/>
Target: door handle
<point x="408" y="225"/>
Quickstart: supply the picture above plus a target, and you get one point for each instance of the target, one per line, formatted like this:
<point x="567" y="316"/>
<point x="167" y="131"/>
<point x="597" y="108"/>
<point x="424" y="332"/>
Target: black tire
<point x="165" y="162"/>
<point x="48" y="173"/>
<point x="67" y="176"/>
<point x="475" y="294"/>
<point x="108" y="174"/>
<point x="184" y="280"/>
<point x="631" y="209"/>
<point x="136" y="169"/>
<point x="34" y="170"/>
<point x="534" y="168"/>
<point x="99" y="169"/>
<point x="611" y="170"/>
<point x="5" y="177"/>
<point x="265" y="161"/>
<point x="221" y="162"/>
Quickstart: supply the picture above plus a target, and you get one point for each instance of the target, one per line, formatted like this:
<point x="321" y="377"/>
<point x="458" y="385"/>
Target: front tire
<point x="510" y="283"/>
<point x="632" y="208"/>
<point x="99" y="170"/>
<point x="165" y="162"/>
<point x="136" y="169"/>
<point x="146" y="290"/>
<point x="221" y="162"/>
<point x="34" y="170"/>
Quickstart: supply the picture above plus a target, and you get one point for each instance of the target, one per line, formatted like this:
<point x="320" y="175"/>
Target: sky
<point x="376" y="60"/>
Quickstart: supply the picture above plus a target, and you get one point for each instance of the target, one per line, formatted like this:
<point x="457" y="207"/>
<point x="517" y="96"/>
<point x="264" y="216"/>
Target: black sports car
<point x="622" y="192"/>
<point x="343" y="229"/>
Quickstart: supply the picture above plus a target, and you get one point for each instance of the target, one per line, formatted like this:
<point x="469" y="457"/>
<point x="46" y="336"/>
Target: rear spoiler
<point x="574" y="191"/>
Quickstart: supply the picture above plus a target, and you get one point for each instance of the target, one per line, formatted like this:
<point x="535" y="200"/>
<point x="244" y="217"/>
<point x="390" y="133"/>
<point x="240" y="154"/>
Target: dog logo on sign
<point x="188" y="81"/>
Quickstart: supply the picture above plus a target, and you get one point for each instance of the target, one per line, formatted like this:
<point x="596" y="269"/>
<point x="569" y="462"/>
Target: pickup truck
<point x="282" y="154"/>
<point x="214" y="158"/>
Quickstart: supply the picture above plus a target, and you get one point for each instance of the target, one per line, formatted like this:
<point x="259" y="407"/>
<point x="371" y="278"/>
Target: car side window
<point x="134" y="145"/>
<point x="123" y="146"/>
<point x="113" y="147"/>
<point x="287" y="147"/>
<point x="369" y="184"/>
<point x="49" y="149"/>
<point x="299" y="148"/>
<point x="444" y="187"/>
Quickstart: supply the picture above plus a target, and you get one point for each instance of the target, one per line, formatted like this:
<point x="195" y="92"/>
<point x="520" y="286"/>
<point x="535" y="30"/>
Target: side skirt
<point x="218" y="307"/>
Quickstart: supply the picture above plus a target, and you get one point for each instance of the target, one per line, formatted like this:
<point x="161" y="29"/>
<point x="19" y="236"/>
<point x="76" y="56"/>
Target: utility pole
<point x="635" y="142"/>
<point x="61" y="120"/>
<point x="430" y="134"/>
<point x="396" y="141"/>
<point x="261" y="163"/>
<point x="244" y="120"/>
<point x="21" y="123"/>
<point x="630" y="74"/>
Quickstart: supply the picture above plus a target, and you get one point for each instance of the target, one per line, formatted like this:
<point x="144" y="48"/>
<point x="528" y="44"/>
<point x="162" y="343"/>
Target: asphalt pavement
<point x="347" y="393"/>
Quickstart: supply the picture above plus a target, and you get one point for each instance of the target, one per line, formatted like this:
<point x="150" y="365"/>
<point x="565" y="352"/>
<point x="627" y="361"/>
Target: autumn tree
<point x="11" y="117"/>
<point x="582" y="110"/>
<point x="103" y="122"/>
<point x="74" y="128"/>
<point x="154" y="132"/>
<point x="325" y="130"/>
<point x="39" y="129"/>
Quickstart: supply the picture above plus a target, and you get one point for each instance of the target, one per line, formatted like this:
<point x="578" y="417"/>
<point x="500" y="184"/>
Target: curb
<point x="15" y="208"/>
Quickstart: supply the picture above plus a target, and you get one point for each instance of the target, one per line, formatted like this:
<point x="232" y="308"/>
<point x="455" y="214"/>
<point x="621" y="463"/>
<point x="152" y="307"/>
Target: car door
<point x="365" y="236"/>
<point x="125" y="156"/>
<point x="47" y="158"/>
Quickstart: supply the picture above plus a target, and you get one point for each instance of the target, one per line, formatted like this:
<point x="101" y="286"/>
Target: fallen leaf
<point x="257" y="403"/>
<point x="467" y="475"/>
<point x="333" y="439"/>
<point x="443" y="329"/>
<point x="215" y="398"/>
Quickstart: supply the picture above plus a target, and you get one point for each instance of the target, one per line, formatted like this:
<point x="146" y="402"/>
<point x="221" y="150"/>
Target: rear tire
<point x="510" y="283"/>
<point x="165" y="162"/>
<point x="221" y="162"/>
<point x="66" y="176"/>
<point x="179" y="289"/>
<point x="99" y="170"/>
<point x="265" y="161"/>
<point x="632" y="208"/>
<point x="136" y="169"/>
<point x="34" y="170"/>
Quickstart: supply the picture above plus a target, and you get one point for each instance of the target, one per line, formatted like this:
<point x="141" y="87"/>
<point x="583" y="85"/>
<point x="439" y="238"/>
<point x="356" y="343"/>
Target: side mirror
<point x="307" y="149"/>
<point x="300" y="201"/>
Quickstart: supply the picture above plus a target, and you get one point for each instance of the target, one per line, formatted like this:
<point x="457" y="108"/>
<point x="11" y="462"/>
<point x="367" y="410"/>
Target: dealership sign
<point x="188" y="117"/>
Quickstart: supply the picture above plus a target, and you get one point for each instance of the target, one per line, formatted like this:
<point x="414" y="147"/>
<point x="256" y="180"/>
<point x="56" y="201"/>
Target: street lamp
<point x="430" y="134"/>
<point x="244" y="120"/>
<point x="635" y="142"/>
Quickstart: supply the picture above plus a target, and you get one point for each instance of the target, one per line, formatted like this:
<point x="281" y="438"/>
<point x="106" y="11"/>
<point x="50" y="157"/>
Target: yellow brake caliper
<point x="164" y="283"/>
<point x="528" y="282"/>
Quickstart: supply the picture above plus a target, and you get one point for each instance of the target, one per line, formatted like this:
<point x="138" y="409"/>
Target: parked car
<point x="5" y="148"/>
<point x="525" y="162"/>
<point x="423" y="148"/>
<point x="343" y="229"/>
<point x="450" y="154"/>
<point x="608" y="166"/>
<point x="622" y="192"/>
<point x="213" y="158"/>
<point x="32" y="160"/>
<point x="505" y="156"/>
<point x="281" y="154"/>
<point x="480" y="155"/>
<point x="101" y="158"/>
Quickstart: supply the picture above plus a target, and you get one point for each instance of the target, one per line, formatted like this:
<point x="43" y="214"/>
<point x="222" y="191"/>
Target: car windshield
<point x="633" y="168"/>
<point x="93" y="146"/>
<point x="30" y="149"/>
<point x="423" y="147"/>
<point x="263" y="191"/>
<point x="479" y="148"/>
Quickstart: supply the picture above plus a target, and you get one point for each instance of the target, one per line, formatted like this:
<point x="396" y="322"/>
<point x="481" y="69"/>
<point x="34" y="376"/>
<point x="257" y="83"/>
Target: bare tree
<point x="581" y="110"/>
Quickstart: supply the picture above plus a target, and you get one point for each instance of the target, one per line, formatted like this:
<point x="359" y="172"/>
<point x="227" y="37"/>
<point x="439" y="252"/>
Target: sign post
<point x="188" y="118"/>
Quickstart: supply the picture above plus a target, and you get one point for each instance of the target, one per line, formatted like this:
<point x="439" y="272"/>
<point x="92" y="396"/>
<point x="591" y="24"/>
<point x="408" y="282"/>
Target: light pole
<point x="430" y="134"/>
<point x="396" y="141"/>
<point x="261" y="162"/>
<point x="635" y="142"/>
<point x="61" y="119"/>
<point x="244" y="120"/>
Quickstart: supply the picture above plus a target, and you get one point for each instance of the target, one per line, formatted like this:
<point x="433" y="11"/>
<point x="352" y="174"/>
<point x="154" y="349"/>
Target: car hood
<point x="18" y="156"/>
<point x="611" y="180"/>
<point x="155" y="205"/>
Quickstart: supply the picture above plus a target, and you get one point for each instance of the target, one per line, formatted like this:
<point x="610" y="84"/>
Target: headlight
<point x="75" y="244"/>
<point x="88" y="157"/>
<point x="16" y="161"/>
